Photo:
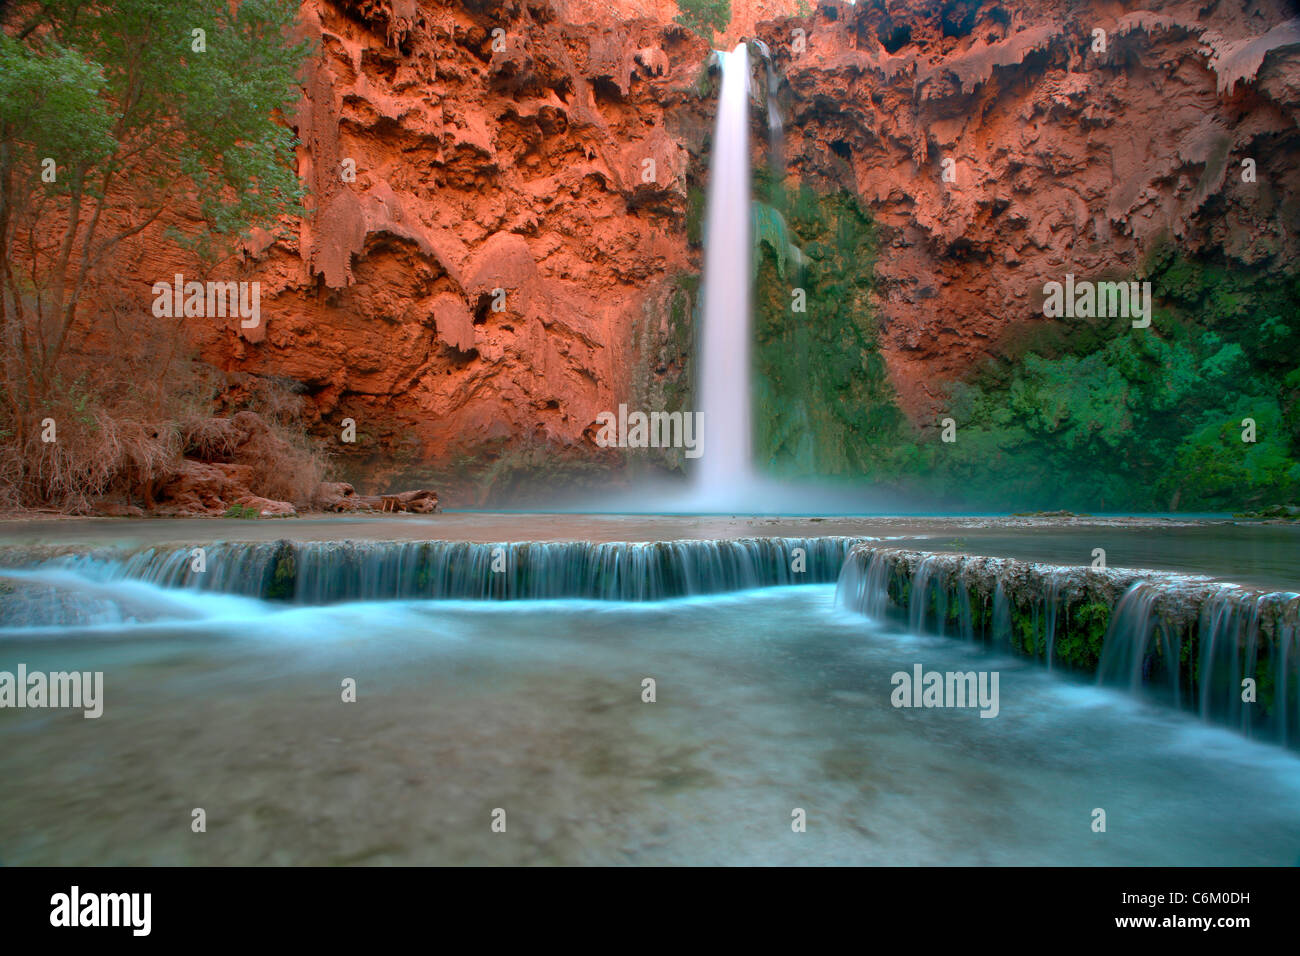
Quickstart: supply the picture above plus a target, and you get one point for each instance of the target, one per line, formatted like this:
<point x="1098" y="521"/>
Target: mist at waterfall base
<point x="766" y="700"/>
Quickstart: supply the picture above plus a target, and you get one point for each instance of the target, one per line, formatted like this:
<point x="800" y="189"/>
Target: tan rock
<point x="204" y="488"/>
<point x="338" y="496"/>
<point x="266" y="508"/>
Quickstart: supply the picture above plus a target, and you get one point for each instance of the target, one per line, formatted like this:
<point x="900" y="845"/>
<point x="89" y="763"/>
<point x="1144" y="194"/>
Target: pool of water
<point x="766" y="701"/>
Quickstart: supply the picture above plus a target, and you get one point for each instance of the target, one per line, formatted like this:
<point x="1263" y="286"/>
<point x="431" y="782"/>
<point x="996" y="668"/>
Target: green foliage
<point x="1079" y="643"/>
<point x="52" y="104"/>
<point x="1027" y="634"/>
<point x="703" y="17"/>
<point x="147" y="124"/>
<point x="1086" y="415"/>
<point x="241" y="511"/>
<point x="1215" y="467"/>
<point x="823" y="403"/>
<point x="695" y="203"/>
<point x="118" y="90"/>
<point x="283" y="578"/>
<point x="1122" y="418"/>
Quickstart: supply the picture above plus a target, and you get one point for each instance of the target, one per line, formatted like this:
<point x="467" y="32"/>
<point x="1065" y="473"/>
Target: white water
<point x="725" y="472"/>
<point x="724" y="479"/>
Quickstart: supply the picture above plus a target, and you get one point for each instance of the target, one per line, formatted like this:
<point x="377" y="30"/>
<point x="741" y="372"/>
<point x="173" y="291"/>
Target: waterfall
<point x="920" y="597"/>
<point x="1001" y="616"/>
<point x="325" y="572"/>
<point x="725" y="471"/>
<point x="1050" y="605"/>
<point x="1229" y="653"/>
<point x="966" y="614"/>
<point x="725" y="479"/>
<point x="863" y="586"/>
<point x="1125" y="661"/>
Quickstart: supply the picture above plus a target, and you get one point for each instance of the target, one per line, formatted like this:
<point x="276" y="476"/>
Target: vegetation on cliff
<point x="823" y="404"/>
<point x="1197" y="412"/>
<point x="140" y="117"/>
<point x="704" y="16"/>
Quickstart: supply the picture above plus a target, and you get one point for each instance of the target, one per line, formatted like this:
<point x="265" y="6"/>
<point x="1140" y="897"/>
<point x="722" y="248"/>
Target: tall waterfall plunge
<point x="725" y="479"/>
<point x="725" y="472"/>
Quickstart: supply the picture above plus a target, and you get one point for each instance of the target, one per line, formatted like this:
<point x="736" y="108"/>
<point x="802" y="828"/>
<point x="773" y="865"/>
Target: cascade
<point x="326" y="572"/>
<point x="725" y="472"/>
<point x="1185" y="640"/>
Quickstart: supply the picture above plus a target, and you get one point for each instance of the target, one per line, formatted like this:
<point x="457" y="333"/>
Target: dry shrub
<point x="148" y="454"/>
<point x="295" y="477"/>
<point x="116" y="399"/>
<point x="285" y="467"/>
<point x="131" y="402"/>
<point x="209" y="439"/>
<point x="279" y="401"/>
<point x="266" y="431"/>
<point x="94" y="454"/>
<point x="97" y="454"/>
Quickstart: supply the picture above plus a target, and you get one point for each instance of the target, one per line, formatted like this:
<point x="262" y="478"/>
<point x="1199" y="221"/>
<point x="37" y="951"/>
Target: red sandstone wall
<point x="520" y="169"/>
<point x="1066" y="159"/>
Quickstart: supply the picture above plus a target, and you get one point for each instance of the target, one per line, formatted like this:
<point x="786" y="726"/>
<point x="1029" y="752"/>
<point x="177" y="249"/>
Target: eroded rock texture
<point x="1066" y="158"/>
<point x="492" y="215"/>
<point x="489" y="261"/>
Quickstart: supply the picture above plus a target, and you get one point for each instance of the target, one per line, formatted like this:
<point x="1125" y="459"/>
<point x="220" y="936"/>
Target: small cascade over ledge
<point x="326" y="572"/>
<point x="1226" y="652"/>
<point x="1231" y="654"/>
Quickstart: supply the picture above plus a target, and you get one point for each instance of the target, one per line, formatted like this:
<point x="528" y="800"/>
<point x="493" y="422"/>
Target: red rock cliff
<point x="499" y="192"/>
<point x="497" y="200"/>
<point x="1064" y="157"/>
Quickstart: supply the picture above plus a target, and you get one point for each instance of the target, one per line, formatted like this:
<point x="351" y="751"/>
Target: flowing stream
<point x="527" y="693"/>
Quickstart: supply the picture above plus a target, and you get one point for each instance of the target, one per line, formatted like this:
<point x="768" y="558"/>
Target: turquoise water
<point x="1250" y="553"/>
<point x="767" y="701"/>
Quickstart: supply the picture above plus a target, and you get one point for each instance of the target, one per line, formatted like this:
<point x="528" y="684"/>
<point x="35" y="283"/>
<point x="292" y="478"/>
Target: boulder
<point x="204" y="488"/>
<point x="266" y="508"/>
<point x="338" y="496"/>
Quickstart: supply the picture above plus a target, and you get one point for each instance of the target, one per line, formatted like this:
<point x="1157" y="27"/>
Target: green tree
<point x="147" y="112"/>
<point x="1125" y="420"/>
<point x="703" y="17"/>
